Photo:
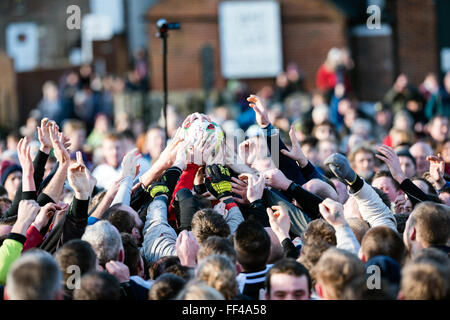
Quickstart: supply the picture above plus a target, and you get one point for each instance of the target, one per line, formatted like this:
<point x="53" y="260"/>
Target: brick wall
<point x="417" y="38"/>
<point x="8" y="97"/>
<point x="309" y="30"/>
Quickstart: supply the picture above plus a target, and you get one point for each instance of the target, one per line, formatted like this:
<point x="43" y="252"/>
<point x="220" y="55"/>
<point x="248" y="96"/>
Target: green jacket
<point x="9" y="252"/>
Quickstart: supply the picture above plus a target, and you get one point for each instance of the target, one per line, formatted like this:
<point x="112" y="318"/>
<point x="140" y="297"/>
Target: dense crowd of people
<point x="281" y="195"/>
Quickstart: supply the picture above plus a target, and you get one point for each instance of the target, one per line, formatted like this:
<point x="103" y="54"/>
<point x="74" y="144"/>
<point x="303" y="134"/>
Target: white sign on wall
<point x="250" y="39"/>
<point x="22" y="44"/>
<point x="94" y="27"/>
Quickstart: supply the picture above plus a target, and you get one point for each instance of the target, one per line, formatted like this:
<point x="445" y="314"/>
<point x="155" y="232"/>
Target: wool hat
<point x="6" y="168"/>
<point x="390" y="269"/>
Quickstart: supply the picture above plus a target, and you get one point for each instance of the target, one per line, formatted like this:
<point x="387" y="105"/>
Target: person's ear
<point x="121" y="255"/>
<point x="135" y="233"/>
<point x="413" y="235"/>
<point x="141" y="267"/>
<point x="361" y="255"/>
<point x="238" y="268"/>
<point x="319" y="290"/>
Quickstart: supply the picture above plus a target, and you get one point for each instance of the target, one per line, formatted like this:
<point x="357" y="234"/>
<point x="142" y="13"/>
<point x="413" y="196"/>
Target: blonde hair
<point x="198" y="290"/>
<point x="219" y="272"/>
<point x="423" y="281"/>
<point x="335" y="269"/>
<point x="432" y="222"/>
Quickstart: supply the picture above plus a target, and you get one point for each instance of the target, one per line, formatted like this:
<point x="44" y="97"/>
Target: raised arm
<point x="130" y="168"/>
<point x="372" y="208"/>
<point x="23" y="152"/>
<point x="56" y="184"/>
<point x="413" y="192"/>
<point x="308" y="201"/>
<point x="306" y="167"/>
<point x="38" y="173"/>
<point x="287" y="165"/>
<point x="13" y="244"/>
<point x="280" y="223"/>
<point x="437" y="171"/>
<point x="333" y="212"/>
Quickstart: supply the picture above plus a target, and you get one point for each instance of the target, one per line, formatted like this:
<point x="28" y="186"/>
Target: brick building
<point x="411" y="41"/>
<point x="307" y="26"/>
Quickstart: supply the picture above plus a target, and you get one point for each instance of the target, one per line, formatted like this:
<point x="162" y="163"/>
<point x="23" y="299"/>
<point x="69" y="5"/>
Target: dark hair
<point x="385" y="173"/>
<point x="445" y="190"/>
<point x="401" y="219"/>
<point x="291" y="267"/>
<point x="132" y="254"/>
<point x="160" y="266"/>
<point x="107" y="213"/>
<point x="98" y="286"/>
<point x="216" y="245"/>
<point x="3" y="191"/>
<point x="8" y="221"/>
<point x="252" y="245"/>
<point x="128" y="134"/>
<point x="383" y="241"/>
<point x="309" y="141"/>
<point x="182" y="271"/>
<point x="207" y="223"/>
<point x="122" y="220"/>
<point x="319" y="230"/>
<point x="166" y="287"/>
<point x="75" y="253"/>
<point x="318" y="237"/>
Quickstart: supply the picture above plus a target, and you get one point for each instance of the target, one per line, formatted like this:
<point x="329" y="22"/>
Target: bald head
<point x="321" y="188"/>
<point x="420" y="151"/>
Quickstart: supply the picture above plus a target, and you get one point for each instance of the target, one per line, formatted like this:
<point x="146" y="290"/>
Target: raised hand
<point x="169" y="154"/>
<point x="79" y="178"/>
<point x="248" y="151"/>
<point x="46" y="213"/>
<point x="130" y="168"/>
<point x="389" y="156"/>
<point x="59" y="214"/>
<point x="187" y="248"/>
<point x="437" y="169"/>
<point x="218" y="181"/>
<point x="400" y="203"/>
<point x="333" y="212"/>
<point x="59" y="143"/>
<point x="23" y="153"/>
<point x="118" y="270"/>
<point x="279" y="221"/>
<point x="276" y="179"/>
<point x="26" y="214"/>
<point x="44" y="135"/>
<point x="255" y="187"/>
<point x="239" y="187"/>
<point x="181" y="157"/>
<point x="296" y="152"/>
<point x="340" y="167"/>
<point x="200" y="150"/>
<point x="92" y="179"/>
<point x="262" y="117"/>
<point x="221" y="209"/>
